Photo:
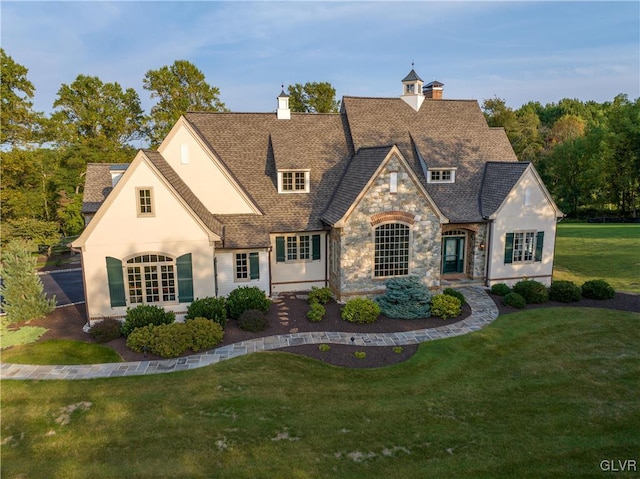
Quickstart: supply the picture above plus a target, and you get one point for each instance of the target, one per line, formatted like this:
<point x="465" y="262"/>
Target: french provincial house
<point x="415" y="185"/>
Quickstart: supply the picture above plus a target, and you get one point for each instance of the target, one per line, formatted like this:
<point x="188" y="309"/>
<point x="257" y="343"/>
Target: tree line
<point x="44" y="157"/>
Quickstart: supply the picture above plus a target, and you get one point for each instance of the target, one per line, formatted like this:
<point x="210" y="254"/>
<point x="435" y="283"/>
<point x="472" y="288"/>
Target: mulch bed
<point x="289" y="316"/>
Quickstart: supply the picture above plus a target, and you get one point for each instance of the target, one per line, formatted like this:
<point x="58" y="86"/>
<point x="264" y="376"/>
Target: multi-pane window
<point x="145" y="207"/>
<point x="292" y="248"/>
<point x="441" y="175"/>
<point x="391" y="256"/>
<point x="523" y="246"/>
<point x="305" y="247"/>
<point x="294" y="181"/>
<point x="151" y="279"/>
<point x="247" y="266"/>
<point x="302" y="247"/>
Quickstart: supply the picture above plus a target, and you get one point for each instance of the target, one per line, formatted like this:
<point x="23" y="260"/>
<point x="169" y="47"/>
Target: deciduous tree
<point x="313" y="97"/>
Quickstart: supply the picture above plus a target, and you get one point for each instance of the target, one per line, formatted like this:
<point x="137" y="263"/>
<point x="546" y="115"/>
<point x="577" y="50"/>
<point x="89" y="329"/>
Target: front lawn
<point x="547" y="392"/>
<point x="599" y="251"/>
<point x="56" y="351"/>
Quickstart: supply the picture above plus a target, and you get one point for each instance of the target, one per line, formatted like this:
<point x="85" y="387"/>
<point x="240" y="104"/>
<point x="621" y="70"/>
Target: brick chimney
<point x="433" y="90"/>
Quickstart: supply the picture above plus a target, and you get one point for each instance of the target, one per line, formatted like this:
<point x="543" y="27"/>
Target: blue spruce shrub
<point x="405" y="298"/>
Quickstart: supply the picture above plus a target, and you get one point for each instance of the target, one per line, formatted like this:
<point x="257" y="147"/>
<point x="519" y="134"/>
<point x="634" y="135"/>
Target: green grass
<point x="542" y="393"/>
<point x="56" y="351"/>
<point x="16" y="337"/>
<point x="599" y="251"/>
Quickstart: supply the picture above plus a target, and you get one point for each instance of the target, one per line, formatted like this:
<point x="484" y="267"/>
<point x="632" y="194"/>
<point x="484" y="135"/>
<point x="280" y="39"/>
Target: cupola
<point x="283" y="111"/>
<point x="412" y="90"/>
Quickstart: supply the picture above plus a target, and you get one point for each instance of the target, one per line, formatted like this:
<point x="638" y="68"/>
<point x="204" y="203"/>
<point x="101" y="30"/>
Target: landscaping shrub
<point x="145" y="314"/>
<point x="597" y="289"/>
<point x="245" y="298"/>
<point x="564" y="291"/>
<point x="405" y="298"/>
<point x="532" y="291"/>
<point x="455" y="294"/>
<point x="445" y="306"/>
<point x="514" y="300"/>
<point x="316" y="313"/>
<point x="500" y="289"/>
<point x="171" y="340"/>
<point x="211" y="308"/>
<point x="106" y="330"/>
<point x="142" y="337"/>
<point x="253" y="320"/>
<point x="360" y="310"/>
<point x="205" y="333"/>
<point x="320" y="295"/>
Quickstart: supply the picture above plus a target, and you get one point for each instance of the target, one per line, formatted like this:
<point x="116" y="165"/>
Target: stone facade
<point x="355" y="242"/>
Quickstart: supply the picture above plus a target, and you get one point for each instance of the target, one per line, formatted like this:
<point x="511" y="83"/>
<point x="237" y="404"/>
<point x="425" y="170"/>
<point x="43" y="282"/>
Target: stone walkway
<point x="483" y="312"/>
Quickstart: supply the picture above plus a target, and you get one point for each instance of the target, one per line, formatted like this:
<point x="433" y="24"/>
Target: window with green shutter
<point x="254" y="265"/>
<point x="315" y="254"/>
<point x="185" y="278"/>
<point x="508" y="248"/>
<point x="539" y="245"/>
<point x="280" y="249"/>
<point x="115" y="278"/>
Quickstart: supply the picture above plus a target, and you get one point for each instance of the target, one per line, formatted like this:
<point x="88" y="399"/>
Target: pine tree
<point x="22" y="292"/>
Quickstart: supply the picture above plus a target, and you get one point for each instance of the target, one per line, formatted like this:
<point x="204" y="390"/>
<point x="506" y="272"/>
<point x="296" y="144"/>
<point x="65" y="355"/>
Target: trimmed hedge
<point x="106" y="330"/>
<point x="598" y="289"/>
<point x="514" y="300"/>
<point x="445" y="306"/>
<point x="172" y="340"/>
<point x="144" y="315"/>
<point x="565" y="291"/>
<point x="500" y="289"/>
<point x="532" y="291"/>
<point x="360" y="310"/>
<point x="244" y="298"/>
<point x="253" y="320"/>
<point x="211" y="308"/>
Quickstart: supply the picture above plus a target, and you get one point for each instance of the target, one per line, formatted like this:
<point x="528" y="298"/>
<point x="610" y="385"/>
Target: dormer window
<point x="442" y="175"/>
<point x="293" y="181"/>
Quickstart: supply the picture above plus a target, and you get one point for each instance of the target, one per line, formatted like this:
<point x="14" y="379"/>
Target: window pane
<point x="292" y="248"/>
<point x="145" y="201"/>
<point x="242" y="271"/>
<point x="168" y="283"/>
<point x="287" y="181"/>
<point x="300" y="183"/>
<point x="151" y="284"/>
<point x="391" y="250"/>
<point x="135" y="284"/>
<point x="305" y="250"/>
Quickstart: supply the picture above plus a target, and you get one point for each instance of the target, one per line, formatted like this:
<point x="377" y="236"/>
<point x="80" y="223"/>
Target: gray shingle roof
<point x="97" y="186"/>
<point x="412" y="76"/>
<point x="361" y="167"/>
<point x="499" y="179"/>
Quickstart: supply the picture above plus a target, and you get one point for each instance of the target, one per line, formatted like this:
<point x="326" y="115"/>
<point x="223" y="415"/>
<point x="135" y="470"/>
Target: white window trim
<point x="158" y="266"/>
<point x="307" y="181"/>
<point x="453" y="175"/>
<point x="533" y="242"/>
<point x="248" y="279"/>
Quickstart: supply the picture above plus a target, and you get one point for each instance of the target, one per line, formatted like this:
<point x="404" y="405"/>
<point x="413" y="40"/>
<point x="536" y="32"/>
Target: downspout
<point x="326" y="260"/>
<point x="487" y="253"/>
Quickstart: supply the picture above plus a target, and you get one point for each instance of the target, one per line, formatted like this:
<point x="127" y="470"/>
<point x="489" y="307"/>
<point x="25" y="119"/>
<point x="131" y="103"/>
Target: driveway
<point x="66" y="285"/>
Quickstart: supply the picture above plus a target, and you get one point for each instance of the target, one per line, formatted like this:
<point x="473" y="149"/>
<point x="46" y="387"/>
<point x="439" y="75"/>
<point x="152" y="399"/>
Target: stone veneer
<point x="355" y="241"/>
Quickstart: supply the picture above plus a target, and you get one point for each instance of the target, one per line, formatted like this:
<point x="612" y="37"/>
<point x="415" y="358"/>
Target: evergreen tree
<point x="22" y="292"/>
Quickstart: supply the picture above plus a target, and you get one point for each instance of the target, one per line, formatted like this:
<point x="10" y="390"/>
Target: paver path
<point x="483" y="312"/>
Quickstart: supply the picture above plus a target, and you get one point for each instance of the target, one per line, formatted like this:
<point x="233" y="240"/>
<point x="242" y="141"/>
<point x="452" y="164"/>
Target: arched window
<point x="391" y="250"/>
<point x="151" y="278"/>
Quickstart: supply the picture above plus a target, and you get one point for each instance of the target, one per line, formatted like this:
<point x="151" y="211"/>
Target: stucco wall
<point x="226" y="268"/>
<point x="300" y="275"/>
<point x="357" y="236"/>
<point x="514" y="215"/>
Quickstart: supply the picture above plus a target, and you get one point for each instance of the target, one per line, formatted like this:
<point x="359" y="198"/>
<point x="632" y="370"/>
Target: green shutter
<point x="279" y="249"/>
<point x="115" y="277"/>
<point x="254" y="265"/>
<point x="185" y="278"/>
<point x="315" y="252"/>
<point x="508" y="249"/>
<point x="539" y="245"/>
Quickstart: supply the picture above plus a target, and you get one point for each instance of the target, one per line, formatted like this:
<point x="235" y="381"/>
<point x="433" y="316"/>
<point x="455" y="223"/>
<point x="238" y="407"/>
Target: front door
<point x="453" y="261"/>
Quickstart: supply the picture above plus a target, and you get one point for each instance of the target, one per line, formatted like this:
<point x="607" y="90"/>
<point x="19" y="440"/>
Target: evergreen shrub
<point x="597" y="289"/>
<point x="360" y="310"/>
<point x="205" y="333"/>
<point x="455" y="294"/>
<point x="532" y="291"/>
<point x="245" y="298"/>
<point x="564" y="291"/>
<point x="211" y="308"/>
<point x="320" y="295"/>
<point x="316" y="313"/>
<point x="445" y="306"/>
<point x="171" y="340"/>
<point x="141" y="338"/>
<point x="514" y="300"/>
<point x="106" y="330"/>
<point x="253" y="320"/>
<point x="500" y="289"/>
<point x="405" y="298"/>
<point x="145" y="314"/>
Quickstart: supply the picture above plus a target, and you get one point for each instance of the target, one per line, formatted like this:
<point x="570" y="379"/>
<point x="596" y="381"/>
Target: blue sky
<point x="518" y="51"/>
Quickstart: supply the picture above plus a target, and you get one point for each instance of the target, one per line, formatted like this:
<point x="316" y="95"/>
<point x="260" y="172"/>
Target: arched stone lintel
<point x="392" y="216"/>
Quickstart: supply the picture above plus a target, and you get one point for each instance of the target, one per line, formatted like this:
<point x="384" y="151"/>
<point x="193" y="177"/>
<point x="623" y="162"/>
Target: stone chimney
<point x="283" y="111"/>
<point x="433" y="90"/>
